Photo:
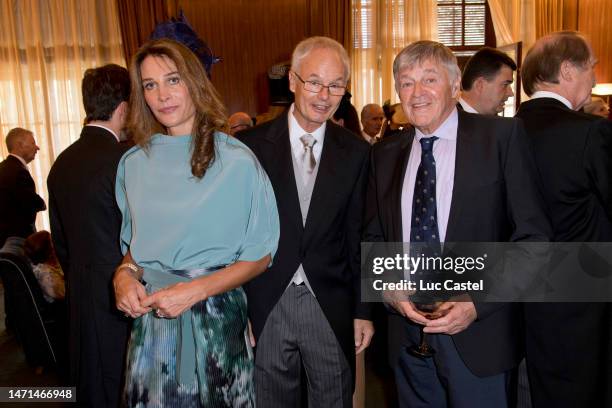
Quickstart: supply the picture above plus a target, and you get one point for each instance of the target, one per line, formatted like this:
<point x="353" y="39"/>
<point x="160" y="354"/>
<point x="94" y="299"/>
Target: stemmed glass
<point x="430" y="309"/>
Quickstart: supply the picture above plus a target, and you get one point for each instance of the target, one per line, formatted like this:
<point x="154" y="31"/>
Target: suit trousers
<point x="444" y="380"/>
<point x="297" y="333"/>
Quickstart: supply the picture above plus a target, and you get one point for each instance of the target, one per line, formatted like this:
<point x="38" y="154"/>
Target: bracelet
<point x="130" y="266"/>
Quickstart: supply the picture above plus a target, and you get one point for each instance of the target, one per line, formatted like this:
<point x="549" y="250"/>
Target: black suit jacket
<point x="328" y="246"/>
<point x="85" y="224"/>
<point x="573" y="154"/>
<point x="569" y="346"/>
<point x="19" y="202"/>
<point x="494" y="199"/>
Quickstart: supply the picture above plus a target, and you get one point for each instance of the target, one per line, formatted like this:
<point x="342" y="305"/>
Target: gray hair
<point x="544" y="58"/>
<point x="421" y="51"/>
<point x="314" y="43"/>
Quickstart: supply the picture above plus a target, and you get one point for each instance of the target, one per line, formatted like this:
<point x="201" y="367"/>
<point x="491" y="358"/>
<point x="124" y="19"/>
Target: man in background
<point x="239" y="121"/>
<point x="372" y="117"/>
<point x="85" y="224"/>
<point x="19" y="202"/>
<point x="486" y="83"/>
<point x="569" y="345"/>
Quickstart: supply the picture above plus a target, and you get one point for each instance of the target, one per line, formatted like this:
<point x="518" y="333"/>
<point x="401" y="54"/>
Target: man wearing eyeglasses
<point x="306" y="309"/>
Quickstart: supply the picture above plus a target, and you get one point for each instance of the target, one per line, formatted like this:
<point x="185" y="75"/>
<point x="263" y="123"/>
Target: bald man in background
<point x="372" y="116"/>
<point x="19" y="202"/>
<point x="239" y="121"/>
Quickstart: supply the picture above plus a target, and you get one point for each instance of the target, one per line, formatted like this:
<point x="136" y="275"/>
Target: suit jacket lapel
<point x="282" y="171"/>
<point x="395" y="226"/>
<point x="327" y="177"/>
<point x="464" y="156"/>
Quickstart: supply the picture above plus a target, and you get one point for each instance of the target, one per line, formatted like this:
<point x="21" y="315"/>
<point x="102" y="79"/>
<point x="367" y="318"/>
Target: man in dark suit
<point x="306" y="308"/>
<point x="19" y="202"/>
<point x="486" y="83"/>
<point x="482" y="191"/>
<point x="569" y="345"/>
<point x="85" y="223"/>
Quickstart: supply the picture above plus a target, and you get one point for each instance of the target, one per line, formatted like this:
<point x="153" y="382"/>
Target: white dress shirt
<point x="548" y="94"/>
<point x="444" y="151"/>
<point x="20" y="159"/>
<point x="466" y="106"/>
<point x="371" y="140"/>
<point x="297" y="147"/>
<point x="104" y="127"/>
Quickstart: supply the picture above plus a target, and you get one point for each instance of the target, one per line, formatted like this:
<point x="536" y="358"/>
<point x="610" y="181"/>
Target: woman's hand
<point x="129" y="293"/>
<point x="170" y="302"/>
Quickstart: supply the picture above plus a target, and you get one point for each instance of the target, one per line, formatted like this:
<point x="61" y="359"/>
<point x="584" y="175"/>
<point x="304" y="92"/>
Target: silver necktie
<point x="308" y="159"/>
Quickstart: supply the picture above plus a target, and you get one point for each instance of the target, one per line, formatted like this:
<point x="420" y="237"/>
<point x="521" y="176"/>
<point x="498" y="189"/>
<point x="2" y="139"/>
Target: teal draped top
<point x="173" y="220"/>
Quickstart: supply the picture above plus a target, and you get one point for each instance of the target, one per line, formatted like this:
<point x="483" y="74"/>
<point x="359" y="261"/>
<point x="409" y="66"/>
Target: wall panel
<point x="250" y="36"/>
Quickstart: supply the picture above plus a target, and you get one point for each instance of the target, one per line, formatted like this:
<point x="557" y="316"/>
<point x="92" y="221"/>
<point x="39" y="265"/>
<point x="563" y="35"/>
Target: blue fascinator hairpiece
<point x="180" y="30"/>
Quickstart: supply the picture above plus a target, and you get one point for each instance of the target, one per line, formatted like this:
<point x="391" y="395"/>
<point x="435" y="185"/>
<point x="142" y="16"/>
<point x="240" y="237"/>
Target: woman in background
<point x="199" y="220"/>
<point x="39" y="248"/>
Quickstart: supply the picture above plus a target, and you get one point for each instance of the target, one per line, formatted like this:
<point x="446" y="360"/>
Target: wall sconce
<point x="603" y="90"/>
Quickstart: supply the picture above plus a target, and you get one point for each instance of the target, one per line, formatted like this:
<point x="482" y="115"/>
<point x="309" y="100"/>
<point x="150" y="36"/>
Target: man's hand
<point x="399" y="301"/>
<point x="460" y="315"/>
<point x="129" y="293"/>
<point x="364" y="330"/>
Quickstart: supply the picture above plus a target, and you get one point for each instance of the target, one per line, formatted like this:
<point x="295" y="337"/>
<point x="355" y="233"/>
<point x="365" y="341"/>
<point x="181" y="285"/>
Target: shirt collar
<point x="20" y="159"/>
<point x="466" y="106"/>
<point x="447" y="130"/>
<point x="105" y="128"/>
<point x="296" y="131"/>
<point x="367" y="137"/>
<point x="548" y="94"/>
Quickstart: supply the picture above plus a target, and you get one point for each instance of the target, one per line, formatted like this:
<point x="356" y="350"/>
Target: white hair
<point x="314" y="43"/>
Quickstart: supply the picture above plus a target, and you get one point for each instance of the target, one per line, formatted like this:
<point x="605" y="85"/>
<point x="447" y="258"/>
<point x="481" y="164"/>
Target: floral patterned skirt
<point x="223" y="358"/>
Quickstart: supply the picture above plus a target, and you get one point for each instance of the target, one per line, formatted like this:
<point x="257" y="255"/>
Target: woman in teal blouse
<point x="199" y="220"/>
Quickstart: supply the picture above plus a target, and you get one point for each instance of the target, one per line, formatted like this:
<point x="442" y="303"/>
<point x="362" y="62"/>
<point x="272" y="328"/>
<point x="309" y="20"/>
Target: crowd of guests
<point x="215" y="263"/>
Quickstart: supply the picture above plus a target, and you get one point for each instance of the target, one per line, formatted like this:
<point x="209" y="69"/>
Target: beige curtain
<point x="594" y="20"/>
<point x="381" y="28"/>
<point x="514" y="21"/>
<point x="45" y="47"/>
<point x="526" y="20"/>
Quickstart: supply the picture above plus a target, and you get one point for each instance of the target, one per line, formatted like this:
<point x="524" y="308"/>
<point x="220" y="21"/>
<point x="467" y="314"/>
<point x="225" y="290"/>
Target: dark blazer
<point x="494" y="199"/>
<point x="85" y="224"/>
<point x="569" y="345"/>
<point x="328" y="246"/>
<point x="19" y="202"/>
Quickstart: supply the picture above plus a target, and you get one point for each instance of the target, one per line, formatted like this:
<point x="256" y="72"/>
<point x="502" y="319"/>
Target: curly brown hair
<point x="210" y="114"/>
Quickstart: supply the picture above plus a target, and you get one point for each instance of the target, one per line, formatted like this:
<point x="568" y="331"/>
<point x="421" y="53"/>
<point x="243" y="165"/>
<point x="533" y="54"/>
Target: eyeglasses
<point x="316" y="87"/>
